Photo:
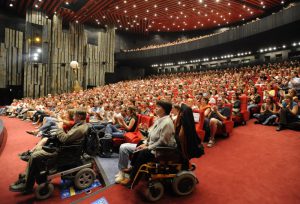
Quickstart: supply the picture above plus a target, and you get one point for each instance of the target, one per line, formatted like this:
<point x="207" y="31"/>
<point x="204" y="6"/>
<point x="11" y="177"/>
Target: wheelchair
<point x="168" y="168"/>
<point x="70" y="163"/>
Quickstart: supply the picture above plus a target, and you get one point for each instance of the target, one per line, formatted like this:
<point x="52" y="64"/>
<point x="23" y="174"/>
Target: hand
<point x="280" y="105"/>
<point x="60" y="125"/>
<point x="214" y="108"/>
<point x="142" y="146"/>
<point x="288" y="105"/>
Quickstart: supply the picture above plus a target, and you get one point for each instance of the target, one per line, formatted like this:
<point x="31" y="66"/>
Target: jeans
<point x="49" y="124"/>
<point x="251" y="106"/>
<point x="269" y="119"/>
<point x="114" y="131"/>
<point x="125" y="150"/>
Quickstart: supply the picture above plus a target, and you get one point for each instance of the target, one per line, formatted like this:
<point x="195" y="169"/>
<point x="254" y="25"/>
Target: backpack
<point x="91" y="142"/>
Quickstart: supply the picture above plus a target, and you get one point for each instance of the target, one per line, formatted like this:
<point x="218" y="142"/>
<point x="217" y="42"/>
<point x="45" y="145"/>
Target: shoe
<point x="32" y="132"/>
<point x="118" y="174"/>
<point x="19" y="181"/>
<point x="279" y="128"/>
<point x="120" y="178"/>
<point x="211" y="143"/>
<point x="20" y="187"/>
<point x="27" y="153"/>
<point x="25" y="158"/>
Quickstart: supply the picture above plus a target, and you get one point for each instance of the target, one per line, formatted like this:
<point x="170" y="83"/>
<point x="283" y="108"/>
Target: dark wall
<point x="8" y="20"/>
<point x="125" y="40"/>
<point x="123" y="73"/>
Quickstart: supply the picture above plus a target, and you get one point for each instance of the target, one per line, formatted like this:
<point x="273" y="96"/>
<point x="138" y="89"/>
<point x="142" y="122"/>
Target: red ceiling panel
<point x="153" y="15"/>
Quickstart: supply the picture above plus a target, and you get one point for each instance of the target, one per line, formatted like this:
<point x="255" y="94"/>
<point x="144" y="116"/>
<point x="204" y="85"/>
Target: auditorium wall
<point x="51" y="72"/>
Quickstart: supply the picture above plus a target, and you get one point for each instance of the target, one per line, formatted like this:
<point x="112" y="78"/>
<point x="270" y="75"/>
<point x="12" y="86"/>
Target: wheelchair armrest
<point x="167" y="154"/>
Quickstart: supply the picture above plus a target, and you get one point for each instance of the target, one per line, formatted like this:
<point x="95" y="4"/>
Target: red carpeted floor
<point x="255" y="165"/>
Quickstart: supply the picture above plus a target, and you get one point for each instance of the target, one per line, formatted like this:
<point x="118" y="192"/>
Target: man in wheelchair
<point x="165" y="157"/>
<point x="36" y="163"/>
<point x="160" y="134"/>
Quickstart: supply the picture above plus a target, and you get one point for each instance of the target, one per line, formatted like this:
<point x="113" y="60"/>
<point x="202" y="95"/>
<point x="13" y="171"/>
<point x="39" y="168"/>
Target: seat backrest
<point x="147" y="120"/>
<point x="200" y="123"/>
<point x="244" y="102"/>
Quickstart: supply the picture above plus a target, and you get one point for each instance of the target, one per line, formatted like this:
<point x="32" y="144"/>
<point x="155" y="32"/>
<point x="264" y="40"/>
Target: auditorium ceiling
<point x="150" y="15"/>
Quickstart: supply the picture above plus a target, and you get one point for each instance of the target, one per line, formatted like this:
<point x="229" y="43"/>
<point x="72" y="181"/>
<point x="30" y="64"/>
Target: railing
<point x="284" y="17"/>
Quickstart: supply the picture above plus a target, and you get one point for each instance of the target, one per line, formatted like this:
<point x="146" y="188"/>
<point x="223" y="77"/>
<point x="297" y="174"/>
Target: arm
<point x="73" y="135"/>
<point x="128" y="127"/>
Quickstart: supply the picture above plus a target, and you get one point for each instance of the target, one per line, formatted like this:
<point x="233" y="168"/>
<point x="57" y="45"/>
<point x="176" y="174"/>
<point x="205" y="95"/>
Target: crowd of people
<point x="176" y="42"/>
<point x="272" y="91"/>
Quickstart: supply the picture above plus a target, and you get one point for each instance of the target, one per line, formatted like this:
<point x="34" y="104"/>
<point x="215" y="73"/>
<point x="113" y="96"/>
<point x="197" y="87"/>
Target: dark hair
<point x="81" y="113"/>
<point x="132" y="110"/>
<point x="167" y="106"/>
<point x="176" y="107"/>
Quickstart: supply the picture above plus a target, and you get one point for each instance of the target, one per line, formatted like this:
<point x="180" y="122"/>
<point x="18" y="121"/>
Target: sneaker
<point x="120" y="178"/>
<point x="211" y="143"/>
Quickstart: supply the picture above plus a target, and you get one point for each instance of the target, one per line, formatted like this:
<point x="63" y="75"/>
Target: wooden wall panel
<point x="53" y="74"/>
<point x="3" y="54"/>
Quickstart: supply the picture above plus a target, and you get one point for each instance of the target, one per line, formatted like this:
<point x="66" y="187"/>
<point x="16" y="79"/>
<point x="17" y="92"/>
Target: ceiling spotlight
<point x="36" y="6"/>
<point x="274" y="48"/>
<point x="200" y="1"/>
<point x="117" y="7"/>
<point x="67" y="3"/>
<point x="35" y="58"/>
<point x="35" y="54"/>
<point x="39" y="50"/>
<point x="266" y="50"/>
<point x="283" y="46"/>
<point x="76" y="21"/>
<point x="282" y="2"/>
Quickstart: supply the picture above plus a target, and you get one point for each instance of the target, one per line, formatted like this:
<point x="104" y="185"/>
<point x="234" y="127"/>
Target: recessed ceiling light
<point x="67" y="3"/>
<point x="117" y="7"/>
<point x="36" y="6"/>
<point x="134" y="6"/>
<point x="11" y="5"/>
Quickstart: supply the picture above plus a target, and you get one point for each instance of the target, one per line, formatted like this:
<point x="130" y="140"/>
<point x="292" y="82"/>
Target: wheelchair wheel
<point x="154" y="191"/>
<point x="184" y="184"/>
<point x="84" y="178"/>
<point x="44" y="191"/>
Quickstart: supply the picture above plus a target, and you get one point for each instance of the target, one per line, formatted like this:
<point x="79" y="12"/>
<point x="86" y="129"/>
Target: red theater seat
<point x="136" y="136"/>
<point x="245" y="115"/>
<point x="228" y="124"/>
<point x="199" y="124"/>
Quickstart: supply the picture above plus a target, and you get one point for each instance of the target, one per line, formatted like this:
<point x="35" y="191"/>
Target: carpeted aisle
<point x="255" y="165"/>
<point x="10" y="164"/>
